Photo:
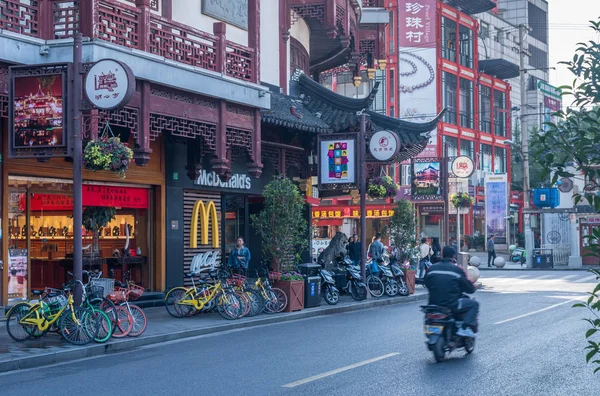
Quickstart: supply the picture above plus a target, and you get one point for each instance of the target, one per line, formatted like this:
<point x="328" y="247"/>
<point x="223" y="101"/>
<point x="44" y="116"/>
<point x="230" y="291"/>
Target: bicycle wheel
<point x="124" y="323"/>
<point x="245" y="301"/>
<point x="15" y="330"/>
<point x="172" y="303"/>
<point x="375" y="286"/>
<point x="277" y="301"/>
<point x="139" y="319"/>
<point x="79" y="326"/>
<point x="229" y="306"/>
<point x="359" y="293"/>
<point x="257" y="303"/>
<point x="104" y="326"/>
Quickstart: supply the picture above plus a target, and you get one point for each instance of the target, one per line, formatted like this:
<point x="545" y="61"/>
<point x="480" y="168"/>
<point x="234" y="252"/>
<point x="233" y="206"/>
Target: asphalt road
<point x="530" y="343"/>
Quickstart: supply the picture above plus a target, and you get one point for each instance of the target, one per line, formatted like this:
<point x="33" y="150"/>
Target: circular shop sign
<point x="109" y="84"/>
<point x="463" y="166"/>
<point x="384" y="145"/>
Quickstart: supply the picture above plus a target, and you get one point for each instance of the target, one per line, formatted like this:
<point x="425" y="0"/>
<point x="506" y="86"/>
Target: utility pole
<point x="529" y="243"/>
<point x="77" y="152"/>
<point x="446" y="191"/>
<point x="362" y="187"/>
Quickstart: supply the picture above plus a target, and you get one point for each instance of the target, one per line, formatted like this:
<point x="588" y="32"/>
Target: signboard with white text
<point x="109" y="84"/>
<point x="384" y="145"/>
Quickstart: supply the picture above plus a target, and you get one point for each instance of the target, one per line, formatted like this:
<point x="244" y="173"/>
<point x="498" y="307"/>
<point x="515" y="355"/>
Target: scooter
<point x="329" y="291"/>
<point x="355" y="286"/>
<point x="399" y="278"/>
<point x="518" y="256"/>
<point x="390" y="284"/>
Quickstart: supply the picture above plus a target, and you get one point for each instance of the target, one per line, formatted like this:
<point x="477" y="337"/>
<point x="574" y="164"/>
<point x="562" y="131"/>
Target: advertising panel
<point x="417" y="65"/>
<point x="337" y="161"/>
<point x="496" y="207"/>
<point x="551" y="104"/>
<point x="426" y="184"/>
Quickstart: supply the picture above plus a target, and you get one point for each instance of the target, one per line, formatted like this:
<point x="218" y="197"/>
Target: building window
<point x="466" y="103"/>
<point x="449" y="37"/>
<point x="484" y="29"/>
<point x="485" y="155"/>
<point x="392" y="112"/>
<point x="466" y="46"/>
<point x="499" y="160"/>
<point x="392" y="85"/>
<point x="538" y="58"/>
<point x="538" y="20"/>
<point x="379" y="103"/>
<point x="449" y="97"/>
<point x="499" y="113"/>
<point x="452" y="145"/>
<point x="391" y="25"/>
<point x="466" y="148"/>
<point x="485" y="109"/>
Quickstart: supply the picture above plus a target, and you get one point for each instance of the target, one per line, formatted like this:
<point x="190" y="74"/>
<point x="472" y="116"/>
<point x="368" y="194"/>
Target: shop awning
<point x="351" y="212"/>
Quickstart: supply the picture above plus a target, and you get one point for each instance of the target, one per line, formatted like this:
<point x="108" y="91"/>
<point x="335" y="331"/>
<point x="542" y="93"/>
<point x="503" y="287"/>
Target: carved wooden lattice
<point x="299" y="58"/>
<point x="153" y="4"/>
<point x="3" y="80"/>
<point x="245" y="111"/>
<point x="66" y="18"/>
<point x="4" y="106"/>
<point x="366" y="46"/>
<point x="295" y="159"/>
<point x="118" y="24"/>
<point x="19" y="16"/>
<point x="194" y="48"/>
<point x="239" y="141"/>
<point x="239" y="62"/>
<point x="316" y="11"/>
<point x="181" y="96"/>
<point x="185" y="128"/>
<point x="272" y="155"/>
<point x="126" y="117"/>
<point x="340" y="17"/>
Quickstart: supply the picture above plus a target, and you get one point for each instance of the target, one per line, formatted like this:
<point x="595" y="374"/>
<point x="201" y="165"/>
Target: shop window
<point x="466" y="148"/>
<point x="449" y="97"/>
<point x="466" y="46"/>
<point x="484" y="30"/>
<point x="466" y="103"/>
<point x="452" y="145"/>
<point x="391" y="30"/>
<point x="499" y="113"/>
<point x="485" y="157"/>
<point x="449" y="37"/>
<point x="392" y="85"/>
<point x="485" y="109"/>
<point x="499" y="160"/>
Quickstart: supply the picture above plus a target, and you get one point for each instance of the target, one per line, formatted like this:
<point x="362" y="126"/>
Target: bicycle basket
<point x="118" y="295"/>
<point x="107" y="284"/>
<point x="235" y="282"/>
<point x="95" y="292"/>
<point x="135" y="291"/>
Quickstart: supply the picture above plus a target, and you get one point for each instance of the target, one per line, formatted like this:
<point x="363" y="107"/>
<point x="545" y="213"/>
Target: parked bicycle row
<point x="105" y="312"/>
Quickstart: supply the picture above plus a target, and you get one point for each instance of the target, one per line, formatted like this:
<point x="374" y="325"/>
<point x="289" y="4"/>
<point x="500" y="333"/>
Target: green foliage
<point x="402" y="224"/>
<point x="282" y="224"/>
<point x="96" y="217"/>
<point x="461" y="200"/>
<point x="107" y="154"/>
<point x="572" y="146"/>
<point x="382" y="187"/>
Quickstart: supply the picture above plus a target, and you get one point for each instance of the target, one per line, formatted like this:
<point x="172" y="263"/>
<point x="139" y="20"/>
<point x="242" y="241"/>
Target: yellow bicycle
<point x="186" y="301"/>
<point x="34" y="319"/>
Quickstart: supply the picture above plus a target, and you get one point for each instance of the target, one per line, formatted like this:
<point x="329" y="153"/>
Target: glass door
<point x="235" y="221"/>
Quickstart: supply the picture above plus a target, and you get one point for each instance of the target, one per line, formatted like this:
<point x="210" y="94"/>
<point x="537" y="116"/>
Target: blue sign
<point x="312" y="288"/>
<point x="496" y="207"/>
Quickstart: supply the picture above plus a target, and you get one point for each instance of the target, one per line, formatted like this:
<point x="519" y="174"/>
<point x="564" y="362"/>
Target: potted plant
<point x="108" y="154"/>
<point x="461" y="200"/>
<point x="94" y="218"/>
<point x="283" y="228"/>
<point x="382" y="187"/>
<point x="402" y="233"/>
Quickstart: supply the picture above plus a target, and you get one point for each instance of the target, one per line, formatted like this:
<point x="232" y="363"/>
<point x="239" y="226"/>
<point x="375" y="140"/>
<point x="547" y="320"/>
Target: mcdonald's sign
<point x="201" y="213"/>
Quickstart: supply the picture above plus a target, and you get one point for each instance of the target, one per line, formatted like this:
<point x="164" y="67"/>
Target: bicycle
<point x="183" y="301"/>
<point x="78" y="325"/>
<point x="275" y="299"/>
<point x="121" y="296"/>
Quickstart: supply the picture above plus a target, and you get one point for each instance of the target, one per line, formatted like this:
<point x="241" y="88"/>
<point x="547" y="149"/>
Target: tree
<point x="402" y="224"/>
<point x="281" y="223"/>
<point x="573" y="142"/>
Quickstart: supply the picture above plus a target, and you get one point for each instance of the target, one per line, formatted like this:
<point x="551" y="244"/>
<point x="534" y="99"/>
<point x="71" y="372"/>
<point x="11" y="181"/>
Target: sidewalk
<point x="517" y="266"/>
<point x="162" y="328"/>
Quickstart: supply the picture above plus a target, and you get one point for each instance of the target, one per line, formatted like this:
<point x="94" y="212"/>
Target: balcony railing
<point x="129" y="26"/>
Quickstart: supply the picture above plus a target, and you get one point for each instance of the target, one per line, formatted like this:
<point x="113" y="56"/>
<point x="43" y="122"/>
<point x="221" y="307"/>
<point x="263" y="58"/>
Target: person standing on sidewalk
<point x="424" y="256"/>
<point x="354" y="250"/>
<point x="491" y="248"/>
<point x="376" y="252"/>
<point x="239" y="258"/>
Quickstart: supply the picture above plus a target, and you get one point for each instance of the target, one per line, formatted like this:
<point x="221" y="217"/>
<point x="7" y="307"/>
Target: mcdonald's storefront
<point x="206" y="215"/>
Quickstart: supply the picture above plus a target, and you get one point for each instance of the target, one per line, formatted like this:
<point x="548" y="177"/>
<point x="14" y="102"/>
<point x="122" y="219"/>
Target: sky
<point x="568" y="22"/>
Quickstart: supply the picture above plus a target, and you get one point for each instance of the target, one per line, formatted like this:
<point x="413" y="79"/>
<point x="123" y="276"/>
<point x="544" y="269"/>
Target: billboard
<point x="417" y="65"/>
<point x="426" y="182"/>
<point x="552" y="102"/>
<point x="496" y="207"/>
<point x="337" y="161"/>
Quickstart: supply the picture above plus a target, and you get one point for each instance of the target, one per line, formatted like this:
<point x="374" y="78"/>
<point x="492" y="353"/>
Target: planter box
<point x="410" y="279"/>
<point x="294" y="290"/>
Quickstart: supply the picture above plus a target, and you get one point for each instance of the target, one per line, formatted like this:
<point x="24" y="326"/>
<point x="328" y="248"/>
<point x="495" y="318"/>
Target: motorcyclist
<point x="446" y="283"/>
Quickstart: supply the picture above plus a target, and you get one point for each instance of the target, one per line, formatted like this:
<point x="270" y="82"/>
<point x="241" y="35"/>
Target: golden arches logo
<point x="202" y="212"/>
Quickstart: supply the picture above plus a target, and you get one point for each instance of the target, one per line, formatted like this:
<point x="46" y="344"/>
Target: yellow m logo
<point x="202" y="211"/>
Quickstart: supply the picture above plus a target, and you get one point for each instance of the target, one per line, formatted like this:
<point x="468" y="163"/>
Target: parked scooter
<point x="355" y="286"/>
<point x="440" y="329"/>
<point x="390" y="284"/>
<point x="518" y="256"/>
<point x="329" y="291"/>
<point x="399" y="278"/>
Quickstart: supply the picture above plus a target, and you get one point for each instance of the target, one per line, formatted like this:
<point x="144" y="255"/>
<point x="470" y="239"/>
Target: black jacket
<point x="446" y="282"/>
<point x="354" y="250"/>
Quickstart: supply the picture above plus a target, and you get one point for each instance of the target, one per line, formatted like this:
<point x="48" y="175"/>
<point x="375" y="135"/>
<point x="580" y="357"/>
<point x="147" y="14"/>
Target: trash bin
<point x="308" y="269"/>
<point x="312" y="291"/>
<point x="543" y="258"/>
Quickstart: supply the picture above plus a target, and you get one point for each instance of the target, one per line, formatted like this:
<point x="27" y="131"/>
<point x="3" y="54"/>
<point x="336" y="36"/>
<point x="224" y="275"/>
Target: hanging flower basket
<point x="382" y="187"/>
<point x="461" y="200"/>
<point x="107" y="154"/>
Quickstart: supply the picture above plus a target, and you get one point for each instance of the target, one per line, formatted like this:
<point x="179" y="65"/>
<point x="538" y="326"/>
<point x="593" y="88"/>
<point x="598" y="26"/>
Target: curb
<point x="535" y="269"/>
<point x="128" y="344"/>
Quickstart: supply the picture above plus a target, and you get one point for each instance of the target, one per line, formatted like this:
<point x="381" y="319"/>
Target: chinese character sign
<point x="417" y="64"/>
<point x="496" y="207"/>
<point x="337" y="161"/>
<point x="109" y="84"/>
<point x="38" y="112"/>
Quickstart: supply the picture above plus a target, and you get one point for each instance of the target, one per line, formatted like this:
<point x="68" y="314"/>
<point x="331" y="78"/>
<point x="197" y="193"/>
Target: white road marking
<point x="337" y="371"/>
<point x="543" y="277"/>
<point x="567" y="277"/>
<point x="538" y="311"/>
<point x="586" y="279"/>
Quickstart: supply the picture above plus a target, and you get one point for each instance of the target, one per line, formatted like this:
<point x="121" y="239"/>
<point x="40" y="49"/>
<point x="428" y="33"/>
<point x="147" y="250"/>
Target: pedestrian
<point x="436" y="249"/>
<point x="239" y="257"/>
<point x="376" y="252"/>
<point x="424" y="256"/>
<point x="491" y="249"/>
<point x="354" y="250"/>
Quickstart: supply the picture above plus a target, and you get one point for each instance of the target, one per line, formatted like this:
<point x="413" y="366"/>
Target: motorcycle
<point x="329" y="291"/>
<point x="518" y="256"/>
<point x="440" y="329"/>
<point x="390" y="285"/>
<point x="355" y="286"/>
<point x="399" y="278"/>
